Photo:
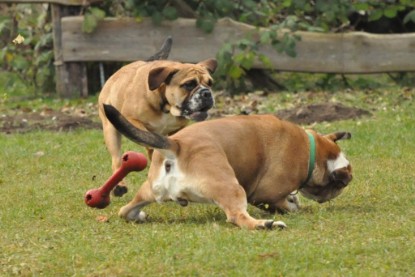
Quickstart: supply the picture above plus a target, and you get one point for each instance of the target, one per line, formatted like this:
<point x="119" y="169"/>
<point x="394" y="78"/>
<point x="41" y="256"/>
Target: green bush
<point x="32" y="61"/>
<point x="29" y="61"/>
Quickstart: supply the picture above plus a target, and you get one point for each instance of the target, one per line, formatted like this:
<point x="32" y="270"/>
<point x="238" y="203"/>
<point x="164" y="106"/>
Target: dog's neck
<point x="157" y="99"/>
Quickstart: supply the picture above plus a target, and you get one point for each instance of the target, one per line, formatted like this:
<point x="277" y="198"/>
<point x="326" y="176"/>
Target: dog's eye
<point x="209" y="83"/>
<point x="190" y="85"/>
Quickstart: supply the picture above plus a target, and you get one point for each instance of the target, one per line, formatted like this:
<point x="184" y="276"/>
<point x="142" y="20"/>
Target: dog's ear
<point x="338" y="136"/>
<point x="210" y="64"/>
<point x="160" y="75"/>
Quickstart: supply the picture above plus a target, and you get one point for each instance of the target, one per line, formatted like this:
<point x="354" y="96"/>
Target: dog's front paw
<point x="134" y="215"/>
<point x="293" y="202"/>
<point x="120" y="190"/>
<point x="137" y="217"/>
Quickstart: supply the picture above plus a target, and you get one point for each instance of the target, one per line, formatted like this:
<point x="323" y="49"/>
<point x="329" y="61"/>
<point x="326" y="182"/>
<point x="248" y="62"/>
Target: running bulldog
<point x="233" y="161"/>
<point x="158" y="96"/>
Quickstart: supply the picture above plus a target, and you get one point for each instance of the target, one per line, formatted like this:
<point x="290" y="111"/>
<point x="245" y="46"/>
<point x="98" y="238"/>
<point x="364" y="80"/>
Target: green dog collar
<point x="312" y="158"/>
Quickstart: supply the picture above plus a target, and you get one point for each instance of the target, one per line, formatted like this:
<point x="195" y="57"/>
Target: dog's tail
<point x="166" y="146"/>
<point x="164" y="51"/>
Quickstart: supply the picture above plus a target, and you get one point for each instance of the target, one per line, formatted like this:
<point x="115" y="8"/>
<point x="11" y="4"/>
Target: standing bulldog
<point x="256" y="159"/>
<point x="156" y="96"/>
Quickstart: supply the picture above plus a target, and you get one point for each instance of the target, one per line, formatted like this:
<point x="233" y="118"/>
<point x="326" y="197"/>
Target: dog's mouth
<point x="197" y="115"/>
<point x="197" y="105"/>
<point x="320" y="196"/>
<point x="323" y="194"/>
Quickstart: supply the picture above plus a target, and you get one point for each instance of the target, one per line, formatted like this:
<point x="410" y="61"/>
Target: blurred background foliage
<point x="27" y="65"/>
<point x="30" y="64"/>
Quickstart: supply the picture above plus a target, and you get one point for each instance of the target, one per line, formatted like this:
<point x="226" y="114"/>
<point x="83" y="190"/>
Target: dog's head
<point x="333" y="171"/>
<point x="185" y="87"/>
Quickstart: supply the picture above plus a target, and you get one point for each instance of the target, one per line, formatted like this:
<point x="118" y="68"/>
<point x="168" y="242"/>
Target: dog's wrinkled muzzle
<point x="198" y="104"/>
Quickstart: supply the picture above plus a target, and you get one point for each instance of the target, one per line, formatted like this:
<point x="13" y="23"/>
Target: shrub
<point x="32" y="63"/>
<point x="29" y="61"/>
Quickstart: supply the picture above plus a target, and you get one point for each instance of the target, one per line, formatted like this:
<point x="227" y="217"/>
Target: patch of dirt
<point x="69" y="119"/>
<point x="321" y="112"/>
<point x="300" y="113"/>
<point x="22" y="121"/>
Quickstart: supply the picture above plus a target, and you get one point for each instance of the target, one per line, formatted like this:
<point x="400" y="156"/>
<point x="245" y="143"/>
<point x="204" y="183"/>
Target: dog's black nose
<point x="205" y="93"/>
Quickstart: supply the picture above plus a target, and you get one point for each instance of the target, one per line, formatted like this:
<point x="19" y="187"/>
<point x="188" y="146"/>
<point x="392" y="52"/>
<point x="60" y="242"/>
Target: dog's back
<point x="252" y="145"/>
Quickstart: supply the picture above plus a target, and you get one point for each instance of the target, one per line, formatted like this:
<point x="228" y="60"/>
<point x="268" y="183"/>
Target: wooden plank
<point x="128" y="40"/>
<point x="57" y="49"/>
<point x="62" y="2"/>
<point x="71" y="81"/>
<point x="125" y="40"/>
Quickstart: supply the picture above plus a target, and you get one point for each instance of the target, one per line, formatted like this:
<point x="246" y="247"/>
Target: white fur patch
<point x="279" y="224"/>
<point x="340" y="162"/>
<point x="174" y="185"/>
<point x="195" y="102"/>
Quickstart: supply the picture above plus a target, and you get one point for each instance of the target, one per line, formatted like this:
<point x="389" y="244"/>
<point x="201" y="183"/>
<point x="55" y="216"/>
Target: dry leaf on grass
<point x="102" y="218"/>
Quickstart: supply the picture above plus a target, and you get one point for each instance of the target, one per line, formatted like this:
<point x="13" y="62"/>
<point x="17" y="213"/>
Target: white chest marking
<point x="339" y="162"/>
<point x="165" y="125"/>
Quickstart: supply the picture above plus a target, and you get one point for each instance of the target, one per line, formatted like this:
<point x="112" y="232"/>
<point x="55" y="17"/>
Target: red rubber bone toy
<point x="100" y="198"/>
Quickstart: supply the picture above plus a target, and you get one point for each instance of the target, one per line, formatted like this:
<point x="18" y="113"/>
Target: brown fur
<point x="233" y="161"/>
<point x="150" y="95"/>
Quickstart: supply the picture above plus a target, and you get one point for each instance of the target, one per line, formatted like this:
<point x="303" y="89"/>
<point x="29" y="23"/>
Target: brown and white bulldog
<point x="256" y="159"/>
<point x="157" y="96"/>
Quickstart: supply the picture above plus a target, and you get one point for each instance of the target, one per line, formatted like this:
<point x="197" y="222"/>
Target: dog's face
<point x="186" y="88"/>
<point x="334" y="173"/>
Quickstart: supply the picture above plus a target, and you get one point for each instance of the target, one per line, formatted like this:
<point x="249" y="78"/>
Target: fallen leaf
<point x="39" y="154"/>
<point x="269" y="255"/>
<point x="102" y="218"/>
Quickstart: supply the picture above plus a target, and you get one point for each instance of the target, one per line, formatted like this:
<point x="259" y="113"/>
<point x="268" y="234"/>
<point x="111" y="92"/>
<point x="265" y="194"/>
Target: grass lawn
<point x="47" y="230"/>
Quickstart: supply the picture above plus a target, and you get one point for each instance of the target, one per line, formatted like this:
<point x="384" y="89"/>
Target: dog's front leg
<point x="291" y="203"/>
<point x="132" y="211"/>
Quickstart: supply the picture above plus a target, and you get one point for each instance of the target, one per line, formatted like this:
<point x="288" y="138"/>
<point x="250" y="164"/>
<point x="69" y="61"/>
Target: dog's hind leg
<point x="232" y="200"/>
<point x="121" y="188"/>
<point x="112" y="140"/>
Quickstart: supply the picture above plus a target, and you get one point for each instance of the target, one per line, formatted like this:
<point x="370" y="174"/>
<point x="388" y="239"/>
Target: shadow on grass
<point x="171" y="213"/>
<point x="335" y="208"/>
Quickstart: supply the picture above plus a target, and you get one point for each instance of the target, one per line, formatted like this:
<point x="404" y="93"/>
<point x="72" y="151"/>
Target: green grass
<point x="47" y="230"/>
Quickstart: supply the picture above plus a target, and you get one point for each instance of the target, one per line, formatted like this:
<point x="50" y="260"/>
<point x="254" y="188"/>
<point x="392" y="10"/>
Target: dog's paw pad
<point x="120" y="190"/>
